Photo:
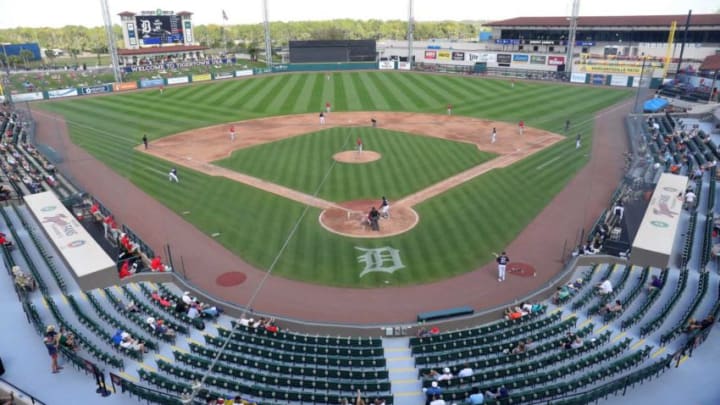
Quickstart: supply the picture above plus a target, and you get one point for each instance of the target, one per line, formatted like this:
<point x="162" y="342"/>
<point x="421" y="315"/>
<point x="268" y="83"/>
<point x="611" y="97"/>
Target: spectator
<point x="437" y="400"/>
<point x="187" y="298"/>
<point x="160" y="299"/>
<point x="519" y="349"/>
<point x="512" y="314"/>
<point x="132" y="307"/>
<point x="605" y="287"/>
<point x="498" y="393"/>
<point x="51" y="344"/>
<point x="446" y="375"/>
<point x="129" y="343"/>
<point x="5" y="242"/>
<point x="619" y="210"/>
<point x="466" y="371"/>
<point x="655" y="284"/>
<point x="475" y="398"/>
<point x="67" y="340"/>
<point x="193" y="312"/>
<point x="690" y="198"/>
<point x="611" y="308"/>
<point x="431" y="392"/>
<point x="562" y="294"/>
<point x="577" y="343"/>
<point x="24" y="281"/>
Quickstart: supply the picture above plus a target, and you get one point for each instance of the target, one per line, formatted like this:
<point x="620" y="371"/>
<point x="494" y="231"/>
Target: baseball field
<point x="458" y="228"/>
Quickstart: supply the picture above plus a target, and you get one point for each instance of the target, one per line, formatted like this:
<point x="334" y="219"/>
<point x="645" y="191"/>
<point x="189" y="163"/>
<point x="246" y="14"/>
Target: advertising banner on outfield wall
<point x="125" y="86"/>
<point x="246" y="72"/>
<point x="202" y="78"/>
<point x="430" y="54"/>
<point x="597" y="79"/>
<point x="611" y="69"/>
<point x="386" y="65"/>
<point x="37" y="95"/>
<point x="444" y="55"/>
<point x="103" y="88"/>
<point x="63" y="93"/>
<point x="145" y="83"/>
<point x="537" y="60"/>
<point x="404" y="66"/>
<point x="578" y="78"/>
<point x="556" y="60"/>
<point x="504" y="59"/>
<point x="520" y="58"/>
<point x="458" y="56"/>
<point x="178" y="80"/>
<point x="223" y="75"/>
<point x="619" y="80"/>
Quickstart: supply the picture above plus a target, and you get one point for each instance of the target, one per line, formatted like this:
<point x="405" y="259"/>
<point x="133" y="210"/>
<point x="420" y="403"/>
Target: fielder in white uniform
<point x="172" y="176"/>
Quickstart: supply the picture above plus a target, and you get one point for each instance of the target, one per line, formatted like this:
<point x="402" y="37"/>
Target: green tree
<point x="26" y="56"/>
<point x="50" y="55"/>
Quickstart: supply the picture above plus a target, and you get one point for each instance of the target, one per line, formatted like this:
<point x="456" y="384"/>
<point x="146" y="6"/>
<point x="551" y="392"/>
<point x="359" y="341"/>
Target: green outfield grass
<point x="409" y="163"/>
<point x="458" y="229"/>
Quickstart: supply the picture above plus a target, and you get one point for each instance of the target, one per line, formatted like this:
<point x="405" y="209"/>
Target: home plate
<point x="215" y="235"/>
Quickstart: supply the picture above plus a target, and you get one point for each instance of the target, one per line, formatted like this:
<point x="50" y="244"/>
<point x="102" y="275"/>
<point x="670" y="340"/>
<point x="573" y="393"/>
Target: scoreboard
<point x="159" y="29"/>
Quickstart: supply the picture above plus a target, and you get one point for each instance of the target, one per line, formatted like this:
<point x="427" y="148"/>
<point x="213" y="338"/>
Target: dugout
<point x="364" y="50"/>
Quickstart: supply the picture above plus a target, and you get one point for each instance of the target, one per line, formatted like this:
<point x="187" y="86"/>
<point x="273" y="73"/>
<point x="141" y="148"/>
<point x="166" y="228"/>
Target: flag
<point x="225" y="15"/>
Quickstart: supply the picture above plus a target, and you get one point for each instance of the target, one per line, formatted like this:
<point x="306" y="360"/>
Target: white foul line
<point x="548" y="162"/>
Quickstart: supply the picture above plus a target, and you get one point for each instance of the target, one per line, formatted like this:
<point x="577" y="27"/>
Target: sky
<point x="58" y="13"/>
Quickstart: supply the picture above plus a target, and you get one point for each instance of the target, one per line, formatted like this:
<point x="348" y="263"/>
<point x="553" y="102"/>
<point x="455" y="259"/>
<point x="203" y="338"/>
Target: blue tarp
<point x="654" y="105"/>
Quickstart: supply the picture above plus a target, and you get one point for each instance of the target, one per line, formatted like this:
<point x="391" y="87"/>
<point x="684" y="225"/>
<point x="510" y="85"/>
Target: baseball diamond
<point x="481" y="215"/>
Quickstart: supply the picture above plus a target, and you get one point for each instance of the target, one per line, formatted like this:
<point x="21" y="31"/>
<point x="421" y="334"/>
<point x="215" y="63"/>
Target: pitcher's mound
<point x="352" y="156"/>
<point x="350" y="220"/>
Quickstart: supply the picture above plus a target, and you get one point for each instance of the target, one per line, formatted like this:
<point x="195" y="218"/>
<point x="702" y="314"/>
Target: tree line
<point x="75" y="39"/>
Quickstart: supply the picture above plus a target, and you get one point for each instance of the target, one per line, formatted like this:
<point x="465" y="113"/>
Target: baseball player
<point x="145" y="141"/>
<point x="577" y="142"/>
<point x="493" y="136"/>
<point x="172" y="176"/>
<point x="322" y="118"/>
<point x="449" y="109"/>
<point x="385" y="208"/>
<point x="502" y="261"/>
<point x="232" y="133"/>
<point x="327" y="106"/>
<point x="521" y="126"/>
<point x="359" y="143"/>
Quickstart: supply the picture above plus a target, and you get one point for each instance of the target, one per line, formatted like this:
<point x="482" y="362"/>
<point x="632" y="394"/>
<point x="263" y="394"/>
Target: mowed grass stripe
<point x="294" y="92"/>
<point x="422" y="99"/>
<point x="392" y="101"/>
<point x="436" y="94"/>
<point x="352" y="93"/>
<point x="339" y="95"/>
<point x="393" y="87"/>
<point x="378" y="102"/>
<point x="260" y="100"/>
<point x="241" y="91"/>
<point x="303" y="101"/>
<point x="364" y="99"/>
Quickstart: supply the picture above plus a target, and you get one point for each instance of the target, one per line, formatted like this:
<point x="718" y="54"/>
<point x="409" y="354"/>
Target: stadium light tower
<point x="112" y="48"/>
<point x="411" y="32"/>
<point x="268" y="41"/>
<point x="571" y="37"/>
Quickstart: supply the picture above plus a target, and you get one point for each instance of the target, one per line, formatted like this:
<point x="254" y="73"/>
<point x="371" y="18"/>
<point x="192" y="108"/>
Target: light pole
<point x="6" y="81"/>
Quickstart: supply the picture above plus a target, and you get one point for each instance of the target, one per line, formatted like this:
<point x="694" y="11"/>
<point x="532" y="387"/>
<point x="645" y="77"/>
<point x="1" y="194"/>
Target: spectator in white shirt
<point x="465" y="372"/>
<point x="605" y="288"/>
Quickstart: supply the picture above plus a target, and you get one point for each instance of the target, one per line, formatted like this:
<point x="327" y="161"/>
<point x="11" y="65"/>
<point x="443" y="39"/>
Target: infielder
<point x="521" y="127"/>
<point x="172" y="176"/>
<point x="232" y="133"/>
<point x="493" y="136"/>
<point x="322" y="118"/>
<point x="449" y="109"/>
<point x="327" y="107"/>
<point x="502" y="261"/>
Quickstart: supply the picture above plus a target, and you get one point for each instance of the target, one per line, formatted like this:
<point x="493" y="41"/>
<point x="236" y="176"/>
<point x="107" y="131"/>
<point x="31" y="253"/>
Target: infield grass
<point x="458" y="229"/>
<point x="409" y="163"/>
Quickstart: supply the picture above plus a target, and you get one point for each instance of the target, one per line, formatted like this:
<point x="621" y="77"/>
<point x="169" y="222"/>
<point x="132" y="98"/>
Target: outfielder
<point x="502" y="261"/>
<point x="172" y="176"/>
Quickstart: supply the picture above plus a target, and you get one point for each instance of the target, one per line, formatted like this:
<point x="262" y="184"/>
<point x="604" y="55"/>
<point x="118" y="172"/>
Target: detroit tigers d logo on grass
<point x="383" y="260"/>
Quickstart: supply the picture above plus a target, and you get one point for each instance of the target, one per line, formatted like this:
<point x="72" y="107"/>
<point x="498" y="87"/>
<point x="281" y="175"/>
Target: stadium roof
<point x="712" y="62"/>
<point x="126" y="14"/>
<point x="161" y="50"/>
<point x="610" y="21"/>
